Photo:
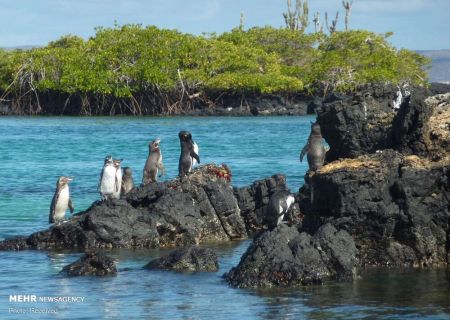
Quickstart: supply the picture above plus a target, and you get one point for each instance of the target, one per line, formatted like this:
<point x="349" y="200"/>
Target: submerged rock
<point x="191" y="259"/>
<point x="91" y="264"/>
<point x="286" y="257"/>
<point x="200" y="207"/>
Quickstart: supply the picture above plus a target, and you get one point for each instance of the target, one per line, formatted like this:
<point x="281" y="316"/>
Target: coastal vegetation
<point x="132" y="69"/>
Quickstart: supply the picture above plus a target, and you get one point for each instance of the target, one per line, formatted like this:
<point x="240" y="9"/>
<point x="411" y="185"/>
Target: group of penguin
<point x="115" y="181"/>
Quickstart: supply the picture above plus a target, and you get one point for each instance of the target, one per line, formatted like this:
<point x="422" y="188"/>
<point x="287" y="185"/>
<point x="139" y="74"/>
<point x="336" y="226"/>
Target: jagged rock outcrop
<point x="190" y="259"/>
<point x="410" y="123"/>
<point x="389" y="207"/>
<point x="361" y="123"/>
<point x="286" y="257"/>
<point x="253" y="200"/>
<point x="198" y="208"/>
<point x="396" y="207"/>
<point x="357" y="124"/>
<point x="436" y="134"/>
<point x="92" y="263"/>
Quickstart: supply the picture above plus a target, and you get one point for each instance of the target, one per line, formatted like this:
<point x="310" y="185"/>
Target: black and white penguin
<point x="61" y="201"/>
<point x="118" y="186"/>
<point x="188" y="156"/>
<point x="127" y="180"/>
<point x="196" y="151"/>
<point x="314" y="149"/>
<point x="154" y="163"/>
<point x="107" y="183"/>
<point x="279" y="204"/>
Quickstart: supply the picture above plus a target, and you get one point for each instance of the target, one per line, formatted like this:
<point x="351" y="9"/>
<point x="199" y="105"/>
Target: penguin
<point x="279" y="204"/>
<point x="127" y="180"/>
<point x="314" y="149"/>
<point x="188" y="153"/>
<point x="107" y="183"/>
<point x="61" y="201"/>
<point x="154" y="163"/>
<point x="118" y="178"/>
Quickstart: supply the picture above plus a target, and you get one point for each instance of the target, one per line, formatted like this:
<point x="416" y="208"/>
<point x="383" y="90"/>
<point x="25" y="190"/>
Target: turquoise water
<point x="35" y="151"/>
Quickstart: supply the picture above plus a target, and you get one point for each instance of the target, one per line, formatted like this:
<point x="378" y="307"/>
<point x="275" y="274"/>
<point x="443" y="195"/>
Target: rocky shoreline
<point x="382" y="199"/>
<point x="293" y="104"/>
<point x="199" y="208"/>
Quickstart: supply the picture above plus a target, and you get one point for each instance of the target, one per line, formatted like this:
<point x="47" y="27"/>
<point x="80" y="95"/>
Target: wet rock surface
<point x="199" y="208"/>
<point x="92" y="263"/>
<point x="190" y="259"/>
<point x="286" y="257"/>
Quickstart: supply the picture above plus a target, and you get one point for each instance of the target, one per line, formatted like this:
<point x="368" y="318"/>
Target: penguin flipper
<point x="51" y="217"/>
<point x="304" y="151"/>
<point x="116" y="184"/>
<point x="162" y="169"/>
<point x="100" y="180"/>
<point x="195" y="156"/>
<point x="145" y="177"/>
<point x="71" y="207"/>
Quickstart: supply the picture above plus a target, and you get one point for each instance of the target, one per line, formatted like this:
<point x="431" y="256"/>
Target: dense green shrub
<point x="125" y="60"/>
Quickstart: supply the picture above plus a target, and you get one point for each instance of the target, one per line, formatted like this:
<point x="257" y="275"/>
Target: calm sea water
<point x="35" y="151"/>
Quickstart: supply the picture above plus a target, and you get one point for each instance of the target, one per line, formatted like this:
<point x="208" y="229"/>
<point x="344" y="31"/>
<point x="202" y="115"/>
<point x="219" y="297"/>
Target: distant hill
<point x="19" y="48"/>
<point x="440" y="69"/>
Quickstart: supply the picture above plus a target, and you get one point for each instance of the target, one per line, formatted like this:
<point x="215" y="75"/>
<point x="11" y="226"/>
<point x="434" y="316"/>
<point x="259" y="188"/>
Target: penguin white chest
<point x="288" y="202"/>
<point x="195" y="148"/>
<point x="62" y="204"/>
<point x="108" y="183"/>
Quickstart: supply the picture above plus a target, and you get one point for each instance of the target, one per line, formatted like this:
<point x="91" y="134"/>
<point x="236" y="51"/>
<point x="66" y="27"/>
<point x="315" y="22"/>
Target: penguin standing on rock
<point x="107" y="183"/>
<point x="189" y="153"/>
<point x="314" y="149"/>
<point x="127" y="180"/>
<point x="279" y="204"/>
<point x="61" y="200"/>
<point x="118" y="178"/>
<point x="154" y="164"/>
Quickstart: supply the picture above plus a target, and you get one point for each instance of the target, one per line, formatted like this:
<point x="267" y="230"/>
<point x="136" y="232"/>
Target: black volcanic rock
<point x="377" y="207"/>
<point x="439" y="88"/>
<point x="354" y="125"/>
<point x="365" y="122"/>
<point x="410" y="122"/>
<point x="201" y="207"/>
<point x="253" y="201"/>
<point x="190" y="259"/>
<point x="286" y="257"/>
<point x="395" y="207"/>
<point x="91" y="264"/>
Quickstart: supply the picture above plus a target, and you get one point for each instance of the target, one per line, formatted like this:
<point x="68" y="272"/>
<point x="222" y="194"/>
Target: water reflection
<point x="380" y="293"/>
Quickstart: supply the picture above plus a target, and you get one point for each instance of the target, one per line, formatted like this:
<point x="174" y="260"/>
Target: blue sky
<point x="417" y="24"/>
